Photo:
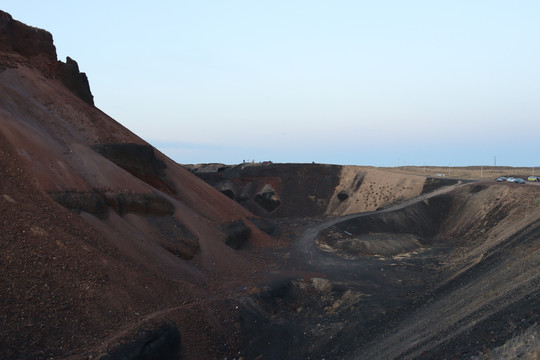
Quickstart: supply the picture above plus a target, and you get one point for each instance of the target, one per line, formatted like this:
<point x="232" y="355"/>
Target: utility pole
<point x="495" y="161"/>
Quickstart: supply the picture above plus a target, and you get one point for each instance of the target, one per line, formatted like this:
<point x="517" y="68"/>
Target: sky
<point x="380" y="83"/>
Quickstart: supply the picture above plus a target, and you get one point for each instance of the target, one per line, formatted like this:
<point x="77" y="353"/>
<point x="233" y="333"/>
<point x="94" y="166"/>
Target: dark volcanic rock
<point x="342" y="196"/>
<point x="237" y="233"/>
<point x="38" y="47"/>
<point x="25" y="40"/>
<point x="91" y="202"/>
<point x="267" y="199"/>
<point x="279" y="190"/>
<point x="161" y="344"/>
<point x="75" y="80"/>
<point x="97" y="203"/>
<point x="175" y="237"/>
<point x="140" y="161"/>
<point x="139" y="203"/>
<point x="227" y="188"/>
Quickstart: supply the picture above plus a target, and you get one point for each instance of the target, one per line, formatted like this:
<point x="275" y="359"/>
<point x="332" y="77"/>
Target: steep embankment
<point x="489" y="293"/>
<point x="313" y="190"/>
<point x="482" y="278"/>
<point x="100" y="232"/>
<point x="452" y="275"/>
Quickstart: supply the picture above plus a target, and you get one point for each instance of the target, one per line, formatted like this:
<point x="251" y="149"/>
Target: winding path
<point x="306" y="248"/>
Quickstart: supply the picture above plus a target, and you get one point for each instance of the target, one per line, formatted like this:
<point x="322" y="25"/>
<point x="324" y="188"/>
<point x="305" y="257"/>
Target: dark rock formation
<point x="267" y="198"/>
<point x="237" y="234"/>
<point x="160" y="344"/>
<point x="37" y="46"/>
<point x="139" y="203"/>
<point x="175" y="237"/>
<point x="277" y="190"/>
<point x="75" y="80"/>
<point x="342" y="196"/>
<point x="97" y="203"/>
<point x="140" y="161"/>
<point x="227" y="188"/>
<point x="172" y="235"/>
<point x="91" y="202"/>
<point x="25" y="40"/>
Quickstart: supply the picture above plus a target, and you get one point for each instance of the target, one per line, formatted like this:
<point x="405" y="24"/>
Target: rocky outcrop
<point x="157" y="211"/>
<point x="140" y="161"/>
<point x="237" y="234"/>
<point x="26" y="40"/>
<point x="75" y="80"/>
<point x="267" y="198"/>
<point x="275" y="190"/>
<point x="139" y="203"/>
<point x="342" y="196"/>
<point x="98" y="202"/>
<point x="37" y="46"/>
<point x="227" y="188"/>
<point x="301" y="190"/>
<point x="174" y="236"/>
<point x="91" y="202"/>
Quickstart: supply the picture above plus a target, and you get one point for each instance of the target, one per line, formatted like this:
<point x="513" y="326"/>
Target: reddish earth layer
<point x="111" y="250"/>
<point x="96" y="224"/>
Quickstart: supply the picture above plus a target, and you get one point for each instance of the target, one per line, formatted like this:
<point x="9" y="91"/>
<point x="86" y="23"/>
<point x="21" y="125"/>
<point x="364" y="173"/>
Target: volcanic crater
<point x="111" y="250"/>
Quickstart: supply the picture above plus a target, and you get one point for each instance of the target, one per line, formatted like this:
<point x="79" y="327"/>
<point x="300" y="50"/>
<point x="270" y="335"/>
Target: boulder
<point x="267" y="199"/>
<point x="237" y="234"/>
<point x="140" y="161"/>
<point x="342" y="196"/>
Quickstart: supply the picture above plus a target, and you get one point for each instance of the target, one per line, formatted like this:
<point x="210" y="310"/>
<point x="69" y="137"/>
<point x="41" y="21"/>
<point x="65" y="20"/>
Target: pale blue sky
<point x="346" y="82"/>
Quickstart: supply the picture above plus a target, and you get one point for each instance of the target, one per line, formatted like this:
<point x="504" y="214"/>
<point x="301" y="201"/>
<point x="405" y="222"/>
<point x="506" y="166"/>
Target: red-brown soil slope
<point x="98" y="229"/>
<point x="110" y="250"/>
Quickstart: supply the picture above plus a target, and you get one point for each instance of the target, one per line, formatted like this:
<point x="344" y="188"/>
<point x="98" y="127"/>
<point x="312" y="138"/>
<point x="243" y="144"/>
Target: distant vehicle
<point x="510" y="179"/>
<point x="519" y="181"/>
<point x="501" y="179"/>
<point x="532" y="178"/>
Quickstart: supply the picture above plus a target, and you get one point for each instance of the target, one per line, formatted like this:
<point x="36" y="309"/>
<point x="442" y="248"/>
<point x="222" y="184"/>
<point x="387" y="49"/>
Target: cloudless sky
<point x="380" y="83"/>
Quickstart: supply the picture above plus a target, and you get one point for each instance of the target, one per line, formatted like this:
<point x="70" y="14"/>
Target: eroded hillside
<point x="100" y="232"/>
<point x="110" y="250"/>
<point x="313" y="190"/>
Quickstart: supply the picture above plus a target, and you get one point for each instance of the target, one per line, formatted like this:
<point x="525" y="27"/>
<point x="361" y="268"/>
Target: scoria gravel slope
<point x="101" y="234"/>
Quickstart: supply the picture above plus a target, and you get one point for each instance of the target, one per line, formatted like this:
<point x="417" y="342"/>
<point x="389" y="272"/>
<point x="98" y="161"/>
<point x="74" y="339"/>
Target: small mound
<point x="382" y="244"/>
